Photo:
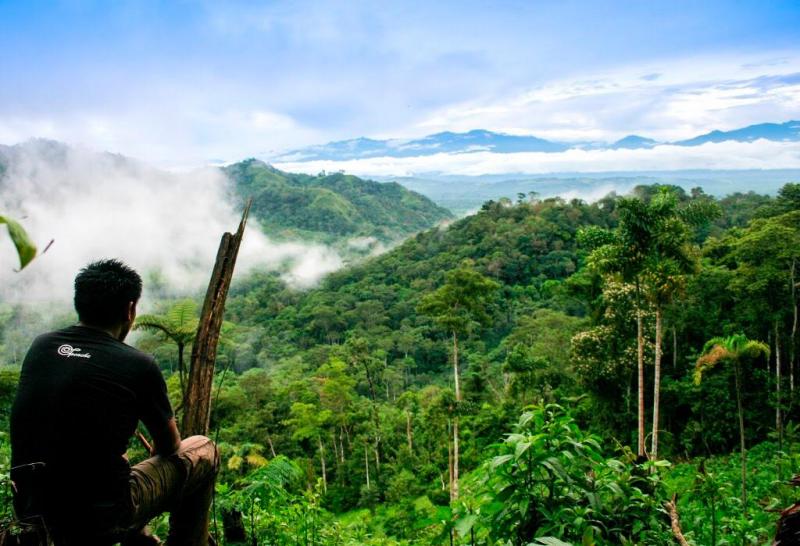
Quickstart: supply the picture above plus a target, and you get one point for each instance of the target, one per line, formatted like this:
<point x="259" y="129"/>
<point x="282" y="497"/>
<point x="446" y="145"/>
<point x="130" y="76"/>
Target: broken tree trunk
<point x="197" y="400"/>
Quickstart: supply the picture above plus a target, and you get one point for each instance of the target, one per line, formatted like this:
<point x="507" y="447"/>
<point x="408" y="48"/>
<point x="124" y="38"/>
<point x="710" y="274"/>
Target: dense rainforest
<point x="541" y="372"/>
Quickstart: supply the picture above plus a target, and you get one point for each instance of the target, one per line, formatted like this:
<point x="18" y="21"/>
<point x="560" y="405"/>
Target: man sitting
<point x="81" y="395"/>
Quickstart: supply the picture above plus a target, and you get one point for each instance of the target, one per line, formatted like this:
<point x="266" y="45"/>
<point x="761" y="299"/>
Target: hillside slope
<point x="333" y="206"/>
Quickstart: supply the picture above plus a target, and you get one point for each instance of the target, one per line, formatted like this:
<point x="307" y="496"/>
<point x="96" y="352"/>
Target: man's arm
<point x="155" y="411"/>
<point x="166" y="439"/>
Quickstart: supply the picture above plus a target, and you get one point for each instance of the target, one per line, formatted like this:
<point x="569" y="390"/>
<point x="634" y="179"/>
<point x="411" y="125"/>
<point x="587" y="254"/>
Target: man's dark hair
<point x="103" y="290"/>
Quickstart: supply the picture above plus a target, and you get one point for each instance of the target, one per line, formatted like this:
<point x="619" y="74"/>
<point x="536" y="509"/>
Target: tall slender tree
<point x="764" y="257"/>
<point x="624" y="253"/>
<point x="650" y="249"/>
<point x="671" y="258"/>
<point x="459" y="307"/>
<point x="310" y="423"/>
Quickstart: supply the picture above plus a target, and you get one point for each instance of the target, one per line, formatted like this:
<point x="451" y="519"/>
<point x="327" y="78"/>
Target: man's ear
<point x="131" y="311"/>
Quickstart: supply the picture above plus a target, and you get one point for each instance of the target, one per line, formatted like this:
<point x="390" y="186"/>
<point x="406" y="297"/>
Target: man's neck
<point x="115" y="331"/>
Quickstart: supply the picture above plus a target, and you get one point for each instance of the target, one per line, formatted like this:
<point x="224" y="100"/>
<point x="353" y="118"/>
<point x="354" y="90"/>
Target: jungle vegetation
<point x="541" y="372"/>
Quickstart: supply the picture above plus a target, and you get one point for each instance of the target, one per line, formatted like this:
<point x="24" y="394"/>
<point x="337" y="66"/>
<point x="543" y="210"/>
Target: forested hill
<point x="529" y="247"/>
<point x="329" y="207"/>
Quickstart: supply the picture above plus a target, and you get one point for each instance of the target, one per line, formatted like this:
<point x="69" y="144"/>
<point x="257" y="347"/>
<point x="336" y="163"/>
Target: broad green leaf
<point x="502" y="459"/>
<point x="522" y="447"/>
<point x="26" y="250"/>
<point x="551" y="541"/>
<point x="466" y="523"/>
<point x="614" y="486"/>
<point x="588" y="537"/>
<point x="183" y="315"/>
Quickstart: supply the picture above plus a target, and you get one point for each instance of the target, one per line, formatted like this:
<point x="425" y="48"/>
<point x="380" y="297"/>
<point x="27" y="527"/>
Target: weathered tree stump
<point x="197" y="400"/>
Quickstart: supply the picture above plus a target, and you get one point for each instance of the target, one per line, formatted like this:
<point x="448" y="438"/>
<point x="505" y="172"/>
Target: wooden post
<point x="197" y="400"/>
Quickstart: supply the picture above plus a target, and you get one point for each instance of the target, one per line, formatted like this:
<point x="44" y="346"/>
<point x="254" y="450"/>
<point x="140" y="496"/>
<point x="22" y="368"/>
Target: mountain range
<point x="488" y="141"/>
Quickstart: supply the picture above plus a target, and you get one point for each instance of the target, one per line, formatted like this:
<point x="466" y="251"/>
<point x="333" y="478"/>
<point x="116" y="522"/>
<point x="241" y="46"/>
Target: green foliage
<point x="275" y="511"/>
<point x="461" y="303"/>
<point x="550" y="479"/>
<point x="708" y="500"/>
<point x="652" y="240"/>
<point x="179" y="323"/>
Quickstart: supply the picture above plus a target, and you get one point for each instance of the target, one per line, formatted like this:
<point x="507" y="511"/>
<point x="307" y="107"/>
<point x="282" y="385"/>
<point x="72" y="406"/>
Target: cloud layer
<point x="761" y="154"/>
<point x="167" y="226"/>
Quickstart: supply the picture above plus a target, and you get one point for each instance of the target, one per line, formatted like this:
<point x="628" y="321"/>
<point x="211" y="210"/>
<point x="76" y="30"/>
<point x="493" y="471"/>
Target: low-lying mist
<point x="166" y="225"/>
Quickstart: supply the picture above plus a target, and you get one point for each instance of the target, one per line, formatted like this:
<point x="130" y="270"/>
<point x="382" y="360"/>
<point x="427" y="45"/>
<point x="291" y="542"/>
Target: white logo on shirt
<point x="69" y="351"/>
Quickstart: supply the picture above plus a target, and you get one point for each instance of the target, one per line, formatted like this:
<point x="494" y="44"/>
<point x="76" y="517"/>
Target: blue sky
<point x="183" y="83"/>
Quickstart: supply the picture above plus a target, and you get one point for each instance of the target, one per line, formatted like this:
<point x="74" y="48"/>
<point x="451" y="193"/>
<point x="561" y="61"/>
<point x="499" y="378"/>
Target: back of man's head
<point x="104" y="291"/>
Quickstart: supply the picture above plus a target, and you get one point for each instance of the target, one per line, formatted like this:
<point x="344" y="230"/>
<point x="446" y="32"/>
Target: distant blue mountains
<point x="481" y="140"/>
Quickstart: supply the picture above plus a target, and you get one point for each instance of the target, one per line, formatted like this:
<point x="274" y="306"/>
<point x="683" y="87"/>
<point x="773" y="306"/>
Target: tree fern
<point x="273" y="479"/>
<point x="178" y="324"/>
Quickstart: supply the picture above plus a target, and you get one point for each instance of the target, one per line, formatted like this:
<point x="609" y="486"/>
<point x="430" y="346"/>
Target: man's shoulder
<point x="83" y="342"/>
<point x="48" y="339"/>
<point x="132" y="354"/>
<point x="136" y="354"/>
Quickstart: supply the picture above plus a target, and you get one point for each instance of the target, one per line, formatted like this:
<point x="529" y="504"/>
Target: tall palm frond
<point x="732" y="350"/>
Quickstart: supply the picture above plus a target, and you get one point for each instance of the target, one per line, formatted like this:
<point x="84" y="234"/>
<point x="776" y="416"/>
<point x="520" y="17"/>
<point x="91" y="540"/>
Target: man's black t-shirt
<point x="81" y="394"/>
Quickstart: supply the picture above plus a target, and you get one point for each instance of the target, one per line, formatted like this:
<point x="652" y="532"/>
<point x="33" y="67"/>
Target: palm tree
<point x="672" y="257"/>
<point x="732" y="350"/>
<point x="178" y="324"/>
<point x="651" y="250"/>
<point x="625" y="253"/>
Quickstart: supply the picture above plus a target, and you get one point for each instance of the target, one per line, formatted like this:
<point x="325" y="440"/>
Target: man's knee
<point x="201" y="452"/>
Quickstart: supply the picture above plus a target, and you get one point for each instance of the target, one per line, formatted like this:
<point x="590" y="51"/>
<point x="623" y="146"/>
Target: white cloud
<point x="182" y="136"/>
<point x="761" y="154"/>
<point x="666" y="100"/>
